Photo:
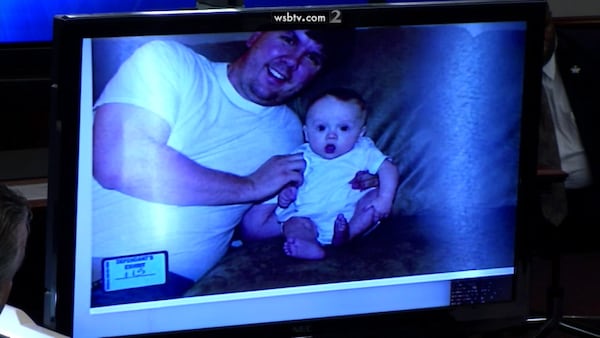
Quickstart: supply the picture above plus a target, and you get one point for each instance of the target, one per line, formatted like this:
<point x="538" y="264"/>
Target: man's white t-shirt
<point x="212" y="125"/>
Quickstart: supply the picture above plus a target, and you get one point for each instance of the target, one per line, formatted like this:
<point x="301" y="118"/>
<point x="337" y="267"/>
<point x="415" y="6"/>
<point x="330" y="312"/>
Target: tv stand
<point x="556" y="320"/>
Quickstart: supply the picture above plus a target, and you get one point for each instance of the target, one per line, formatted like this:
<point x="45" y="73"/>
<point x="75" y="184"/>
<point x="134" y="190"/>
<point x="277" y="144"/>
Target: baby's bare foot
<point x="341" y="232"/>
<point x="300" y="248"/>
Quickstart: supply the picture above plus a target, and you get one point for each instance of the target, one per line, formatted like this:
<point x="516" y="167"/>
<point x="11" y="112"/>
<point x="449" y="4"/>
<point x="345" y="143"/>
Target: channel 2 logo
<point x="335" y="16"/>
<point x="330" y="17"/>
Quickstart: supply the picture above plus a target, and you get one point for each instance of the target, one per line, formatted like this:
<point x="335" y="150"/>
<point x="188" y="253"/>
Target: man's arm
<point x="131" y="155"/>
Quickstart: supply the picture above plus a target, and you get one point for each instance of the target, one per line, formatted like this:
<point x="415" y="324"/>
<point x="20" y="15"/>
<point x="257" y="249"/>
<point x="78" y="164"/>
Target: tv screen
<point x="183" y="139"/>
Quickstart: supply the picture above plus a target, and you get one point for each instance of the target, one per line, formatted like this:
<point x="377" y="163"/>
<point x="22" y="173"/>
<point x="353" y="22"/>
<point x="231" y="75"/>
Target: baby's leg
<point x="363" y="218"/>
<point x="260" y="222"/>
<point x="341" y="231"/>
<point x="301" y="239"/>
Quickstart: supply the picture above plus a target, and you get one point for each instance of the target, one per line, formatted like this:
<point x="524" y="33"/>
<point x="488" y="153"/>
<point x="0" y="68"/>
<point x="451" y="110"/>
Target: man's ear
<point x="305" y="133"/>
<point x="5" y="287"/>
<point x="253" y="38"/>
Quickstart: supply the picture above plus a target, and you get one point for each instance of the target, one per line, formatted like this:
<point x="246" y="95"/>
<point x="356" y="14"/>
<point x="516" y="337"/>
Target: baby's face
<point x="333" y="126"/>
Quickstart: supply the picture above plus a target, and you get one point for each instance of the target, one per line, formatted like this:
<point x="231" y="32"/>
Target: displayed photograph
<point x="227" y="164"/>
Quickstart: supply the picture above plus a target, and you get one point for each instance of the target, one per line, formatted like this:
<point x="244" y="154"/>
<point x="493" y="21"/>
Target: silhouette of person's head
<point x="15" y="216"/>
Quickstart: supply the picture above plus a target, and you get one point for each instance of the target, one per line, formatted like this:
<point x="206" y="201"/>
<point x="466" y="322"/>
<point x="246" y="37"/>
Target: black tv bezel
<point x="68" y="33"/>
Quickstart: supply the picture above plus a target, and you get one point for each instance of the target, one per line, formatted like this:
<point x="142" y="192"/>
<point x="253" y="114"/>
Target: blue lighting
<point x="31" y="21"/>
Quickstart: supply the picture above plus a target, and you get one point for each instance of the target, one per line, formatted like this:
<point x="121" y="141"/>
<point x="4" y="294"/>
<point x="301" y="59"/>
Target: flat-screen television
<point x="167" y="125"/>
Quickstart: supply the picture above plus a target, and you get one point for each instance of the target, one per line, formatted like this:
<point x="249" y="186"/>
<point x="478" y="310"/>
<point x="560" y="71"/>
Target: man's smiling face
<point x="276" y="66"/>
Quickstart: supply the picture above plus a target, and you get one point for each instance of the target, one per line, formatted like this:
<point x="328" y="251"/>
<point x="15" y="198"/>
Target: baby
<point x="323" y="210"/>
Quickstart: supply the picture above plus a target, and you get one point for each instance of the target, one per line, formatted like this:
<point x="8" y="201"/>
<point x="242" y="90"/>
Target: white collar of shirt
<point x="234" y="96"/>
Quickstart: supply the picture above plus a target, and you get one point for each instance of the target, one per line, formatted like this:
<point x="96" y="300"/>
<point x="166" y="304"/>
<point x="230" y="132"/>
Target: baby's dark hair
<point x="346" y="95"/>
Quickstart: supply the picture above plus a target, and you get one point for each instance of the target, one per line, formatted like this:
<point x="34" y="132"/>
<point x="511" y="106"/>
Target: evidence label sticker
<point x="127" y="272"/>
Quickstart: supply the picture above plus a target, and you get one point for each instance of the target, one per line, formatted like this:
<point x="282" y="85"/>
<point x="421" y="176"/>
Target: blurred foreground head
<point x="15" y="216"/>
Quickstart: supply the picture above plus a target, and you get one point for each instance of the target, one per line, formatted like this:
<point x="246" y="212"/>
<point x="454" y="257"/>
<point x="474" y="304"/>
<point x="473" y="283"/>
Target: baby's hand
<point x="381" y="208"/>
<point x="287" y="196"/>
<point x="363" y="180"/>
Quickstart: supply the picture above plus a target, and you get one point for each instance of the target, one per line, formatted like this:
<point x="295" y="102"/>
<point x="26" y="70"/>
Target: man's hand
<point x="363" y="180"/>
<point x="274" y="174"/>
<point x="287" y="196"/>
